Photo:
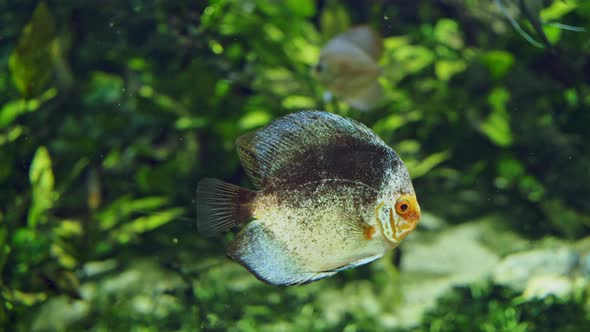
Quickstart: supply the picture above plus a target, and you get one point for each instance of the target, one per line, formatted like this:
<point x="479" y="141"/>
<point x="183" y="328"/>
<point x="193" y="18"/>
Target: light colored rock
<point x="433" y="263"/>
<point x="454" y="252"/>
<point x="141" y="289"/>
<point x="430" y="222"/>
<point x="354" y="297"/>
<point x="539" y="287"/>
<point x="59" y="312"/>
<point x="92" y="269"/>
<point x="516" y="270"/>
<point x="142" y="276"/>
<point x="585" y="266"/>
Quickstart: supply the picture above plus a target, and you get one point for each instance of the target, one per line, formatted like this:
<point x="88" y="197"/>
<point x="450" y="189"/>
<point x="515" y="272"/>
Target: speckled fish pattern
<point x="321" y="179"/>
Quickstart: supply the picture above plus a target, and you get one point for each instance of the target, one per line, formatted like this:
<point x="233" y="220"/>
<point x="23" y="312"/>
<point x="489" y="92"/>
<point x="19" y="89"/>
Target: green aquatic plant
<point x="485" y="307"/>
<point x="110" y="112"/>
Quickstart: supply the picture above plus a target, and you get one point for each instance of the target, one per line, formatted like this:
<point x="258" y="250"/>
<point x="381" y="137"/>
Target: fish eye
<point x="402" y="206"/>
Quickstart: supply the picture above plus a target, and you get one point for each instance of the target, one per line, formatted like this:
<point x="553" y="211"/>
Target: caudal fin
<point x="221" y="205"/>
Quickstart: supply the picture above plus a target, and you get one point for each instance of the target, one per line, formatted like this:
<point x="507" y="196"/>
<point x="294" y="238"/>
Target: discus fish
<point x="348" y="67"/>
<point x="332" y="196"/>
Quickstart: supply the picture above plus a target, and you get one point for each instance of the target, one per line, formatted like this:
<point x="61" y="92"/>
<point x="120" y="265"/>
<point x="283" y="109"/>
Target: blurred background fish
<point x="348" y="67"/>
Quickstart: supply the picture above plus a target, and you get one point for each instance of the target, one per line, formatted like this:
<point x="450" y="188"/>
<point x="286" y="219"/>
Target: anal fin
<point x="257" y="249"/>
<point x="357" y="263"/>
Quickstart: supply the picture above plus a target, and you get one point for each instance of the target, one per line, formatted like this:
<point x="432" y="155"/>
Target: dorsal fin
<point x="365" y="38"/>
<point x="312" y="143"/>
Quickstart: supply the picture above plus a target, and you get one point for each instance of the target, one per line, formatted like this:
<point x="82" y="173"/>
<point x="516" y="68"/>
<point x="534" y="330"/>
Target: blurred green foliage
<point x="110" y="112"/>
<point x="483" y="307"/>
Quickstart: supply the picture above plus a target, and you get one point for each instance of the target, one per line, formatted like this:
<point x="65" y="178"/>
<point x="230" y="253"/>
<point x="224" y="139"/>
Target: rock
<point x="431" y="222"/>
<point x="143" y="288"/>
<point x="59" y="312"/>
<point x="583" y="247"/>
<point x="143" y="276"/>
<point x="358" y="296"/>
<point x="433" y="263"/>
<point x="585" y="266"/>
<point x="93" y="269"/>
<point x="539" y="287"/>
<point x="500" y="238"/>
<point x="516" y="270"/>
<point x="455" y="252"/>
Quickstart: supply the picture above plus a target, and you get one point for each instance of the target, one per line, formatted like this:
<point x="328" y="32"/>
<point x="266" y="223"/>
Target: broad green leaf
<point x="510" y="168"/>
<point x="215" y="47"/>
<point x="497" y="125"/>
<point x="64" y="258"/>
<point x="571" y="96"/>
<point x="532" y="188"/>
<point x="144" y="224"/>
<point x="27" y="299"/>
<point x="299" y="102"/>
<point x="447" y="33"/>
<point x="15" y="108"/>
<point x="569" y="221"/>
<point x="558" y="9"/>
<point x="392" y="43"/>
<point x="412" y="59"/>
<point x="304" y="50"/>
<point x="498" y="63"/>
<point x="446" y="69"/>
<point x="553" y="33"/>
<point x="122" y="209"/>
<point x="419" y="168"/>
<point x="388" y="125"/>
<point x="42" y="182"/>
<point x="408" y="147"/>
<point x="68" y="228"/>
<point x="188" y="123"/>
<point x="11" y="110"/>
<point x="104" y="88"/>
<point x="11" y="135"/>
<point x="334" y="19"/>
<point x="31" y="62"/>
<point x="30" y="247"/>
<point x="301" y="8"/>
<point x="254" y="119"/>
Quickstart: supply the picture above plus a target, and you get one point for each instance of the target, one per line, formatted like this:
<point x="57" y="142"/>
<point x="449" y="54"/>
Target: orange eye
<point x="402" y="206"/>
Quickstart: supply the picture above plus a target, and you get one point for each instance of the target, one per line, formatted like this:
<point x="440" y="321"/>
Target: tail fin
<point x="221" y="205"/>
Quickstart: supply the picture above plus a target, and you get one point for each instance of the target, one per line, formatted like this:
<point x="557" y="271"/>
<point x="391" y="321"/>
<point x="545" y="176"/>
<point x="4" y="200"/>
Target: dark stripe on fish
<point x="356" y="161"/>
